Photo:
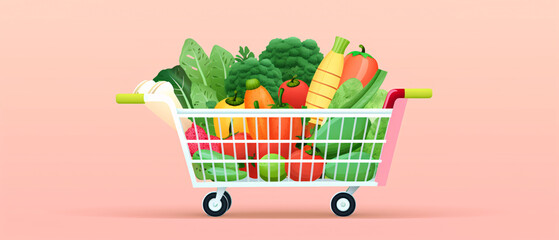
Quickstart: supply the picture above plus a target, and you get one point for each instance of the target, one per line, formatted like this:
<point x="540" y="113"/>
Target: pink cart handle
<point x="406" y="93"/>
<point x="394" y="126"/>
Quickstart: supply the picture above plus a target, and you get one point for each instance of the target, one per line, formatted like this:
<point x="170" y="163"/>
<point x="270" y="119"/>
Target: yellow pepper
<point x="225" y="123"/>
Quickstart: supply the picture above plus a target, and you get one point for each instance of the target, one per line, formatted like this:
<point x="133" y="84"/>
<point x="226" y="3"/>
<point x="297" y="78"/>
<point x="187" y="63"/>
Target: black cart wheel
<point x="342" y="204"/>
<point x="229" y="200"/>
<point x="214" y="207"/>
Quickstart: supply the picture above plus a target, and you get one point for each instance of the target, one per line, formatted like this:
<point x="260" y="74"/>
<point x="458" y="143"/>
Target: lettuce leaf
<point x="382" y="124"/>
<point x="201" y="94"/>
<point x="195" y="62"/>
<point x="220" y="64"/>
<point x="181" y="84"/>
<point x="345" y="92"/>
<point x="208" y="73"/>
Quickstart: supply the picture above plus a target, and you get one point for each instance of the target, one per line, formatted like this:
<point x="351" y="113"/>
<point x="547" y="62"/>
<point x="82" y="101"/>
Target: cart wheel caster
<point x="229" y="200"/>
<point x="214" y="207"/>
<point x="342" y="204"/>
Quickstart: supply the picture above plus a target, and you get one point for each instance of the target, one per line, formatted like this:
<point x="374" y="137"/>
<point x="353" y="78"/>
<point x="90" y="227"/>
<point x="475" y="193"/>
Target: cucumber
<point x="211" y="155"/>
<point x="356" y="171"/>
<point x="348" y="128"/>
<point x="360" y="94"/>
<point x="220" y="174"/>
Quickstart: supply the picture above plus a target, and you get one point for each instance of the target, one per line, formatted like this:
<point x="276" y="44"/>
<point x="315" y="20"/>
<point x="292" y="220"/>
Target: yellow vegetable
<point x="225" y="123"/>
<point x="327" y="78"/>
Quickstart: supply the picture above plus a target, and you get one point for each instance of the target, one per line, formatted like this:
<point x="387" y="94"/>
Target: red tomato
<point x="304" y="169"/>
<point x="241" y="151"/>
<point x="295" y="92"/>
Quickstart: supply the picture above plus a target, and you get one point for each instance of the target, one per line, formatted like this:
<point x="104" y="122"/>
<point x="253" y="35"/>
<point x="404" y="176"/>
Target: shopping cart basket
<point x="369" y="134"/>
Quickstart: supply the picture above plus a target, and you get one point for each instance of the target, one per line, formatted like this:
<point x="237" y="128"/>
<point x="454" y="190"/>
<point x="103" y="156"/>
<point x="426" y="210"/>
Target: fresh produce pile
<point x="289" y="73"/>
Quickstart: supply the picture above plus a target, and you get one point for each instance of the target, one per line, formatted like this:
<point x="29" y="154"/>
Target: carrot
<point x="256" y="96"/>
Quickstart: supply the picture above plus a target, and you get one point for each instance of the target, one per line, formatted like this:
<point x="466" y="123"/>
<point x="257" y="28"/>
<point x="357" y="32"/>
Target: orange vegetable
<point x="360" y="65"/>
<point x="256" y="96"/>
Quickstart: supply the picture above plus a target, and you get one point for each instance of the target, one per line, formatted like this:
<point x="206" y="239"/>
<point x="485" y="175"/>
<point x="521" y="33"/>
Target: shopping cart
<point x="368" y="163"/>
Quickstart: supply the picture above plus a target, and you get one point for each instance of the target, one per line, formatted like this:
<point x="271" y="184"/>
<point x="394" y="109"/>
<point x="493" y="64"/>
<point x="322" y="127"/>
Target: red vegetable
<point x="307" y="171"/>
<point x="197" y="133"/>
<point x="239" y="148"/>
<point x="295" y="92"/>
<point x="284" y="128"/>
<point x="241" y="151"/>
<point x="359" y="65"/>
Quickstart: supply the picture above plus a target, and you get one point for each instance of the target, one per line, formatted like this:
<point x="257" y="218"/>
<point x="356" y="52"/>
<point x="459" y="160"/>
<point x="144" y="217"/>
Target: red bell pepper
<point x="304" y="171"/>
<point x="284" y="128"/>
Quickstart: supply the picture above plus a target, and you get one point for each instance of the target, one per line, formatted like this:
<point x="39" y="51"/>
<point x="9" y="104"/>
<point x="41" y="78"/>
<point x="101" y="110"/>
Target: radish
<point x="193" y="147"/>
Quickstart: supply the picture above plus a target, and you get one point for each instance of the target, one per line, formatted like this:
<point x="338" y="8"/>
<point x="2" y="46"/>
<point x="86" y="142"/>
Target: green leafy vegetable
<point x="346" y="92"/>
<point x="293" y="57"/>
<point x="381" y="124"/>
<point x="220" y="64"/>
<point x="249" y="68"/>
<point x="372" y="134"/>
<point x="245" y="54"/>
<point x="378" y="99"/>
<point x="201" y="94"/>
<point x="199" y="81"/>
<point x="181" y="84"/>
<point x="195" y="62"/>
<point x="206" y="73"/>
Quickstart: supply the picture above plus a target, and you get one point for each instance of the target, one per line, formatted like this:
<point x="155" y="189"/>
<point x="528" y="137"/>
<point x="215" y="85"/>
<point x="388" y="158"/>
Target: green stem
<point x="281" y="97"/>
<point x="252" y="84"/>
<point x="293" y="79"/>
<point x="340" y="45"/>
<point x="293" y="82"/>
<point x="362" y="48"/>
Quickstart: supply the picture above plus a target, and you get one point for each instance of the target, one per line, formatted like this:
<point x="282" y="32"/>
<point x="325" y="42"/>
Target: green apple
<point x="276" y="169"/>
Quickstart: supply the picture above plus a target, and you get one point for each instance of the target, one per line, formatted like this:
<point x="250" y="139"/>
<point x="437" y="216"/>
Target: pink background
<point x="477" y="161"/>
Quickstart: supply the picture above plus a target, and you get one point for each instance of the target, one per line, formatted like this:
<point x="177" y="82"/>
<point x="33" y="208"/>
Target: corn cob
<point x="327" y="78"/>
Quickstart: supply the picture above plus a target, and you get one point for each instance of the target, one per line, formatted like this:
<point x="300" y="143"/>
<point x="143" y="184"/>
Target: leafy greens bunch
<point x="248" y="67"/>
<point x="199" y="80"/>
<point x="293" y="57"/>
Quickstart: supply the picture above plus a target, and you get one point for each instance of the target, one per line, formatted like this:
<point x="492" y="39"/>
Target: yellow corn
<point x="327" y="78"/>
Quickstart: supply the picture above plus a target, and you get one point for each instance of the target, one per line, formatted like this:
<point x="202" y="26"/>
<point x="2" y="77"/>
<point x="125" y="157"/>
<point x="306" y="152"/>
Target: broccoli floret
<point x="263" y="70"/>
<point x="294" y="57"/>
